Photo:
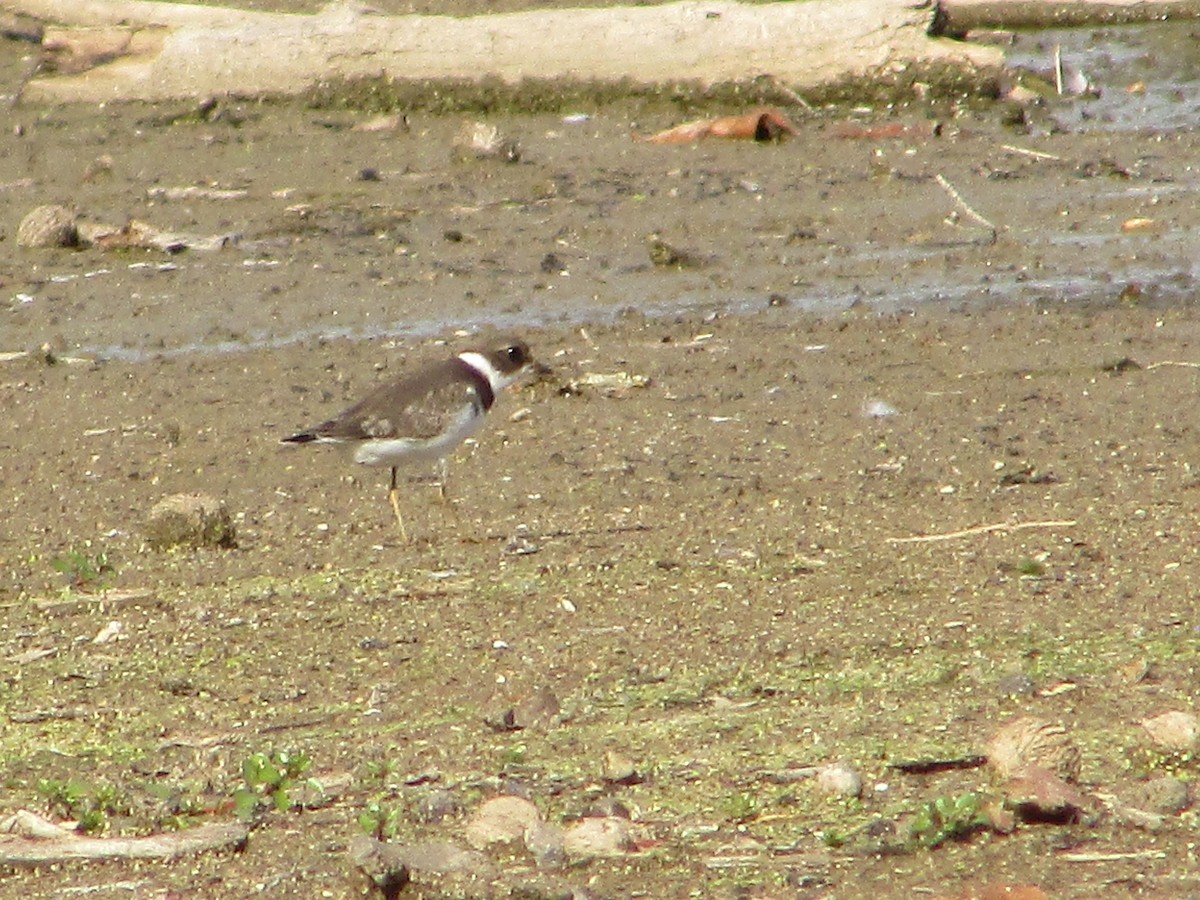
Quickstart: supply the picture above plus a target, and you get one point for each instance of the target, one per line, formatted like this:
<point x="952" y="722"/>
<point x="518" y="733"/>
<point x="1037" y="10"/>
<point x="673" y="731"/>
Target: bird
<point x="424" y="415"/>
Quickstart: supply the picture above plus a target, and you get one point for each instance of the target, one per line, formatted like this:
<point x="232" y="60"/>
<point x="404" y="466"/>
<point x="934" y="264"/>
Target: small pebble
<point x="839" y="780"/>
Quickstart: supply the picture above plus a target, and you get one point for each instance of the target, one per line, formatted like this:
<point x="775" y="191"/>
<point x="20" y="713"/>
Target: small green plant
<point x="948" y="819"/>
<point x="84" y="571"/>
<point x="380" y="820"/>
<point x="834" y="838"/>
<point x="179" y="806"/>
<point x="270" y="779"/>
<point x="1031" y="568"/>
<point x="90" y="808"/>
<point x="742" y="807"/>
<point x="380" y="771"/>
<point x="514" y="755"/>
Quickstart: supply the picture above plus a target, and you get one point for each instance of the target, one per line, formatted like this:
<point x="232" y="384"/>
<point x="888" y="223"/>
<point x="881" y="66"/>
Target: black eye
<point x="516" y="353"/>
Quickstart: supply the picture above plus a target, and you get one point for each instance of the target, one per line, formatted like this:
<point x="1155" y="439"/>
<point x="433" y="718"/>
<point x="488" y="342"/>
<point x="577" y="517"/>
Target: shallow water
<point x="1141" y="77"/>
<point x="1091" y="203"/>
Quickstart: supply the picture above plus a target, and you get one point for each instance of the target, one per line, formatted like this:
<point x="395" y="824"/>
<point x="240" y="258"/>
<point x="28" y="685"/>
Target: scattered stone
<point x="1163" y="794"/>
<point x="839" y="780"/>
<point x="435" y="806"/>
<point x="615" y="384"/>
<point x="1138" y="818"/>
<point x="499" y="716"/>
<point x="390" y="867"/>
<point x="619" y="768"/>
<point x="1015" y="684"/>
<point x="520" y="544"/>
<point x="48" y="226"/>
<point x="193" y="520"/>
<point x="552" y="264"/>
<point x="598" y="837"/>
<point x="391" y="122"/>
<point x="881" y="828"/>
<point x="608" y="807"/>
<point x="443" y="858"/>
<point x="539" y="709"/>
<point x="1176" y="731"/>
<point x="1031" y="742"/>
<point x="1123" y="364"/>
<point x="479" y="140"/>
<point x="547" y="844"/>
<point x="196" y="192"/>
<point x="879" y="409"/>
<point x="501" y="820"/>
<point x="667" y="256"/>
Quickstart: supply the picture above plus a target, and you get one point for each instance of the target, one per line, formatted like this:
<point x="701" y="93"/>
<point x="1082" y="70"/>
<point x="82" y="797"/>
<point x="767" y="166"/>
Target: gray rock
<point x="1176" y="731"/>
<point x="540" y="709"/>
<point x="619" y="768"/>
<point x="434" y="806"/>
<point x="598" y="837"/>
<point x="443" y="858"/>
<point x="547" y="843"/>
<point x="839" y="780"/>
<point x="500" y="820"/>
<point x="1015" y="684"/>
<point x="1163" y="794"/>
<point x="48" y="226"/>
<point x="192" y="520"/>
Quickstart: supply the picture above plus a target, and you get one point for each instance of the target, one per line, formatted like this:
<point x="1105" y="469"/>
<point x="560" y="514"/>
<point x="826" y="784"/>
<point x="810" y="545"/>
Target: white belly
<point x="398" y="451"/>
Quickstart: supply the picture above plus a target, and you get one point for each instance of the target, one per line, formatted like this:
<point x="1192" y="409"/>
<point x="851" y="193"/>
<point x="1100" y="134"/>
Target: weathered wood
<point x="174" y="51"/>
<point x="28" y="852"/>
<point x="962" y="15"/>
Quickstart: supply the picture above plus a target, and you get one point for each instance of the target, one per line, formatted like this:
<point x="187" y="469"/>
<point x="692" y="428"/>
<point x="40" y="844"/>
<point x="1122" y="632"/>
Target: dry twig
<point x="1112" y="857"/>
<point x="1036" y="154"/>
<point x="979" y="529"/>
<point x="1172" y="362"/>
<point x="966" y="207"/>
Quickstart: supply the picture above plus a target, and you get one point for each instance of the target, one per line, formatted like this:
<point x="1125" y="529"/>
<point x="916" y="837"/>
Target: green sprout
<point x="90" y="808"/>
<point x="270" y="779"/>
<point x="948" y="819"/>
<point x="380" y="820"/>
<point x="83" y="571"/>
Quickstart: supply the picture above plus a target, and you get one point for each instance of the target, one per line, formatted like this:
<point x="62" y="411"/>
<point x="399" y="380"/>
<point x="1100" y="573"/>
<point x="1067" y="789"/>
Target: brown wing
<point x="420" y="406"/>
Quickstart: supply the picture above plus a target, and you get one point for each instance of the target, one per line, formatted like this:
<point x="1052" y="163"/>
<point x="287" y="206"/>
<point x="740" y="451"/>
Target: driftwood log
<point x="33" y="841"/>
<point x="128" y="49"/>
<point x="963" y="15"/>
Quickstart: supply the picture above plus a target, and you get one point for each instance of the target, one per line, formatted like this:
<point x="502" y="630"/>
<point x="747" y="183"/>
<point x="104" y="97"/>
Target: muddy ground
<point x="703" y="570"/>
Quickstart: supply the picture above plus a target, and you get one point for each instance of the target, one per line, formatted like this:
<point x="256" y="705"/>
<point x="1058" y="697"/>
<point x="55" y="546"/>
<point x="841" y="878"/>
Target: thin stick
<point x="957" y="198"/>
<point x="1171" y="362"/>
<point x="979" y="529"/>
<point x="789" y="93"/>
<point x="1036" y="154"/>
<point x="1058" y="72"/>
<point x="1112" y="857"/>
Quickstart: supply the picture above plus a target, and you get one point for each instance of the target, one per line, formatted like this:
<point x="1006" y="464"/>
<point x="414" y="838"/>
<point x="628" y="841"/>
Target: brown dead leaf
<point x="760" y="125"/>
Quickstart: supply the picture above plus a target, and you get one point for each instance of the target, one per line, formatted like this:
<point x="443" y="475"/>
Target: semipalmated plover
<point x="424" y="416"/>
